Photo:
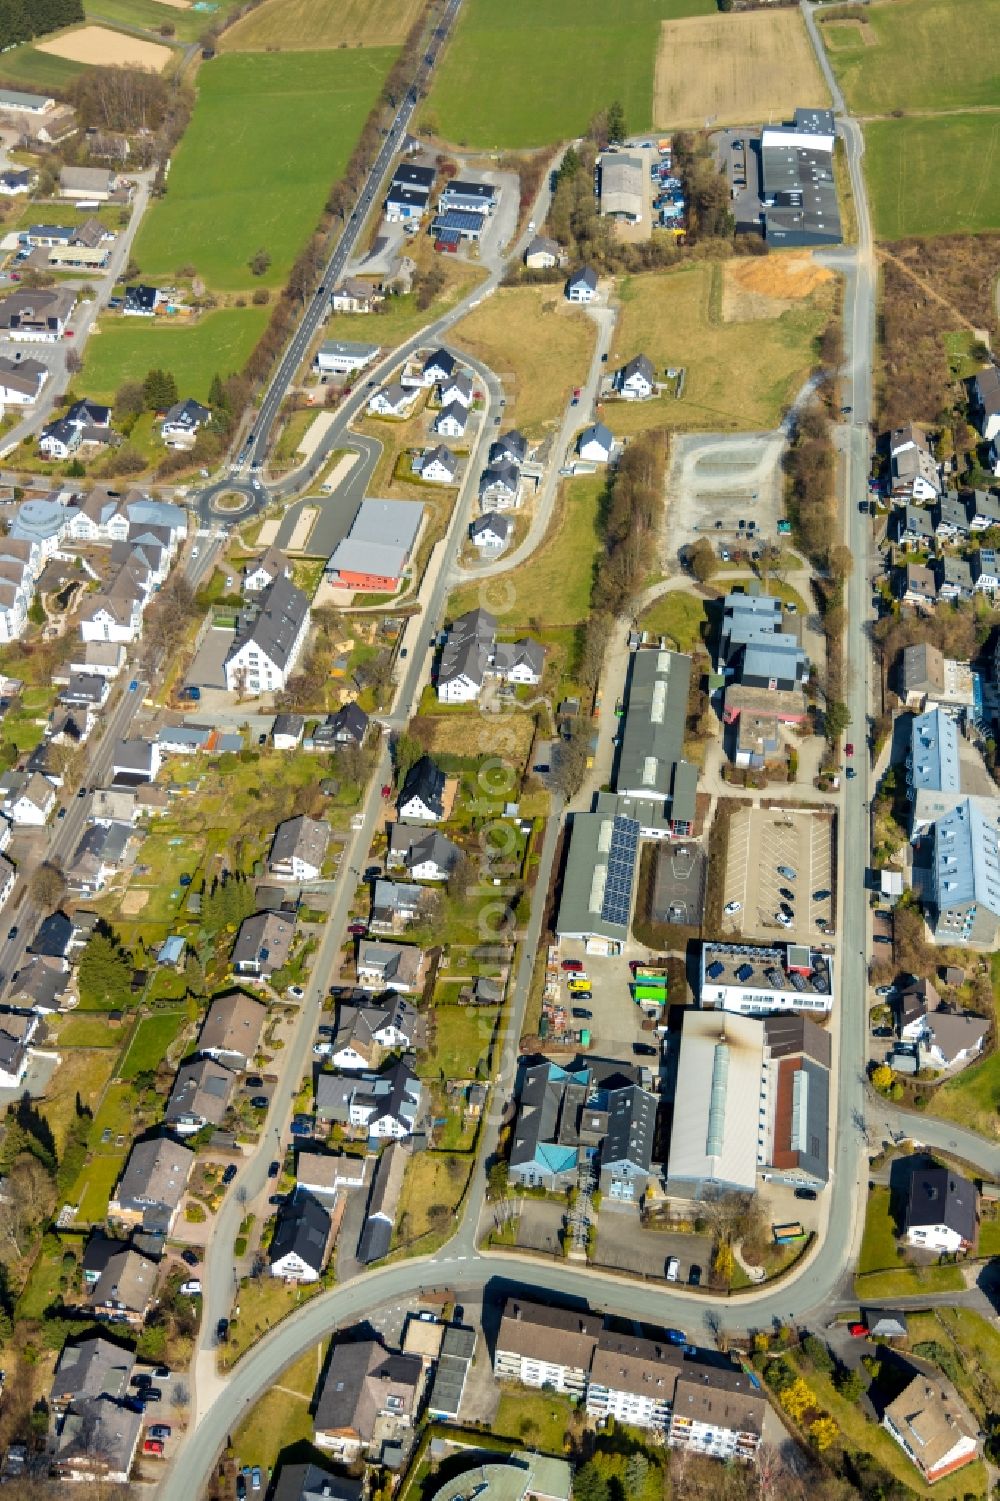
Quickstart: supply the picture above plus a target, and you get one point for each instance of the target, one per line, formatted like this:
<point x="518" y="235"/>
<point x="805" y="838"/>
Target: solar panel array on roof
<point x="621" y="870"/>
<point x="743" y="974"/>
<point x="715" y="969"/>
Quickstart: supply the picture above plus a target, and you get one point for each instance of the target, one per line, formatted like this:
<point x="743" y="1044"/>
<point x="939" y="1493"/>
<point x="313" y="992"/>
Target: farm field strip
<point x="934" y="174"/>
<point x="298" y="25"/>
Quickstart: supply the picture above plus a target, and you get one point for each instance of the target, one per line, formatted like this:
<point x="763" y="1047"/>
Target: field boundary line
<point x="925" y="286"/>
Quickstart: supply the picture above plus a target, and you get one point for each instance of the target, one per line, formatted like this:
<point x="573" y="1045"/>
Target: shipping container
<point x="785" y="1234"/>
<point x="650" y="995"/>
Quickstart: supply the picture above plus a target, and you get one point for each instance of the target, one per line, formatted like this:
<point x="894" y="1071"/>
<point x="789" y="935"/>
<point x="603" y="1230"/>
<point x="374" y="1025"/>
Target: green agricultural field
<point x="917" y="54"/>
<point x="269" y="135"/>
<point x="515" y="76"/>
<point x="219" y="342"/>
<point x="27" y="68"/>
<point x="934" y="175"/>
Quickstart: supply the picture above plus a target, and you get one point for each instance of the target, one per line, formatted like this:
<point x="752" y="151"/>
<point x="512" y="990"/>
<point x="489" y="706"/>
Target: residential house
<point x="932" y="1425"/>
<point x="438" y="367"/>
<point x="266" y="570"/>
<point x="542" y="253"/>
<point x="103" y="658"/>
<point x="263" y="944"/>
<point x="393" y="400"/>
<point x="56" y="937"/>
<point x="37" y="316"/>
<point x="952" y="1039"/>
<point x="287" y="731"/>
<point x="349" y="725"/>
<point x="85" y="691"/>
<point x="388" y="966"/>
<point x="93" y="1368"/>
<point x="84" y="422"/>
<point x="917" y="585"/>
<point x="383" y="1202"/>
<point x="982" y="510"/>
<point x="21" y="381"/>
<point x="941" y="1211"/>
<point x="232" y="1029"/>
<point x="40" y="984"/>
<point x="310" y="1482"/>
<point x="425" y="854"/>
<point x="365" y="1033"/>
<point x="26" y="798"/>
<point x="632" y="1380"/>
<point x="914" y="473"/>
<point x="395" y="904"/>
<point x="344" y="357"/>
<point x="301" y="1239"/>
<point x="99" y="855"/>
<point x="986" y="570"/>
<point x="451" y="421"/>
<point x="581" y="285"/>
<point x="438" y="466"/>
<point x="15" y="181"/>
<point x="114" y="617"/>
<point x="298" y="849"/>
<point x="491" y="532"/>
<point x="17" y="1030"/>
<point x="422" y="795"/>
<point x="914" y="527"/>
<point x="142" y="301"/>
<point x="541" y="1346"/>
<point x="568" y="1116"/>
<point x="386" y="1106"/>
<point x="458" y="388"/>
<point x="353" y="295"/>
<point x="97" y="1442"/>
<point x="984" y="402"/>
<point x="510" y="448"/>
<point x="180" y="424"/>
<point x="151" y="1188"/>
<point x="595" y="444"/>
<point x="326" y="1174"/>
<point x="950" y="518"/>
<point x="200" y="1097"/>
<point x="500" y="487"/>
<point x="521" y="662"/>
<point x="135" y="761"/>
<point x="718" y="1413"/>
<point x="636" y="380"/>
<point x="269" y="640"/>
<point x="124" y="1290"/>
<point x="366" y="1389"/>
<point x="462" y="196"/>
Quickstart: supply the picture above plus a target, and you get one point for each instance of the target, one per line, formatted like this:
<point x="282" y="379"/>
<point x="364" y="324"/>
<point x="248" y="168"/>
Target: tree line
<point x="22" y="20"/>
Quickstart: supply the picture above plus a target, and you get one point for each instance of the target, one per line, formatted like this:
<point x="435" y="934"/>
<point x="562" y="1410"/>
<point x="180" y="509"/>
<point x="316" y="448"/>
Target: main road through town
<point x="823" y="1282"/>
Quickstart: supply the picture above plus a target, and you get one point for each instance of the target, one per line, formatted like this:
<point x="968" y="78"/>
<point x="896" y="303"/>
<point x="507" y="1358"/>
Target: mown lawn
<point x="878" y="1244"/>
<point x="27" y="68"/>
<point x="515" y="75"/>
<point x="917" y="54"/>
<point x="462" y="1037"/>
<point x="88" y="1030"/>
<point x="83" y="1072"/>
<point x="150" y="1041"/>
<point x="539" y="1419"/>
<point x="680" y="616"/>
<point x="933" y="175"/>
<point x="148" y="14"/>
<point x="971" y="1098"/>
<point x="910" y="1281"/>
<point x="740" y="376"/>
<point x="553" y="585"/>
<point x="98" y="1180"/>
<point x="270" y="134"/>
<point x="281" y="1418"/>
<point x="219" y="343"/>
<point x="539" y="345"/>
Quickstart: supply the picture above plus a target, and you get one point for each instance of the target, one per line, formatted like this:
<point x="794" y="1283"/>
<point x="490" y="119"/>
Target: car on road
<point x="12" y="934"/>
<point x="190" y="1257"/>
<point x="82" y="792"/>
<point x="787" y="871"/>
<point x="133" y="685"/>
<point x="673" y="1269"/>
<point x="191" y="1288"/>
<point x="845" y="411"/>
<point x="806" y="1193"/>
<point x="221" y="1330"/>
<point x="572" y="965"/>
<point x="387" y="794"/>
<point x="694" y="1276"/>
<point x="821" y="895"/>
<point x="61" y="813"/>
<point x="849" y="749"/>
<point x="273" y="1168"/>
<point x="850" y="773"/>
<point x="731" y="908"/>
<point x="675" y="1336"/>
<point x="230" y="1173"/>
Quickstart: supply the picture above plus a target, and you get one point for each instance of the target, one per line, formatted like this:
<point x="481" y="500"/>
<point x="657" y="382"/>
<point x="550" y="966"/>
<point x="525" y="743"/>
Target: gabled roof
<point x="275" y="627"/>
<point x="425" y="781"/>
<point x="302" y="1230"/>
<point x="583" y="276"/>
<point x="938" y="1196"/>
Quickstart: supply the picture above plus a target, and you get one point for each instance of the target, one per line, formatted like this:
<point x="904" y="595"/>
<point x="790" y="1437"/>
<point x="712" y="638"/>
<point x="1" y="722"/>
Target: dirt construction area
<point x="757" y="65"/>
<point x="757" y="287"/>
<point x="100" y="47"/>
<point x="800" y="841"/>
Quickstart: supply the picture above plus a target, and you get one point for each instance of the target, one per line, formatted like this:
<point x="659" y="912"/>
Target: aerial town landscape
<point x="499" y="775"/>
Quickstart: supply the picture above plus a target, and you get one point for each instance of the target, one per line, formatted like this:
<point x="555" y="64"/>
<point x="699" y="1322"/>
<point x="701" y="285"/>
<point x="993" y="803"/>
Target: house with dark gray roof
<point x="298" y="849"/>
<point x="636" y="380"/>
<point x="349" y="725"/>
<point x="383" y="1202"/>
<point x="152" y="1186"/>
<point x="491" y="532"/>
<point x="627" y="1149"/>
<point x="581" y="285"/>
<point x="301" y="1239"/>
<point x="425" y="854"/>
<point x="94" y="1367"/>
<point x="365" y="1383"/>
<point x="263" y="944"/>
<point x="97" y="1441"/>
<point x="422" y="796"/>
<point x="941" y="1211"/>
<point x="310" y="1482"/>
<point x="269" y="640"/>
<point x="200" y="1097"/>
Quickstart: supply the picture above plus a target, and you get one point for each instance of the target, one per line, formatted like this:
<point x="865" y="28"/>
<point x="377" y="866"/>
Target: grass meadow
<point x="917" y="54"/>
<point x="269" y="135"/>
<point x="150" y="16"/>
<point x="934" y="174"/>
<point x="220" y="341"/>
<point x="27" y="68"/>
<point x="515" y="76"/>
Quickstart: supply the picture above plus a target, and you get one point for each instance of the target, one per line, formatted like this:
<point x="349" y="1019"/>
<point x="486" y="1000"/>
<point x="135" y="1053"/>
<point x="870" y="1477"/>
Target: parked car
<point x="259" y="1101"/>
<point x="581" y="1014"/>
<point x="255" y="1478"/>
<point x="673" y="1269"/>
<point x="230" y="1173"/>
<point x="241" y="1487"/>
<point x="273" y="1168"/>
<point x="731" y="908"/>
<point x="821" y="895"/>
<point x="676" y="1336"/>
<point x="191" y="1288"/>
<point x="783" y="919"/>
<point x="644" y="1050"/>
<point x="191" y="1257"/>
<point x="806" y="1193"/>
<point x="152" y="1394"/>
<point x="357" y="929"/>
<point x="160" y="1430"/>
<point x="787" y="893"/>
<point x="572" y="966"/>
<point x="858" y="1331"/>
<point x="221" y="1330"/>
<point x="786" y="871"/>
<point x="694" y="1277"/>
<point x="885" y="989"/>
<point x="850" y="773"/>
<point x="153" y="1446"/>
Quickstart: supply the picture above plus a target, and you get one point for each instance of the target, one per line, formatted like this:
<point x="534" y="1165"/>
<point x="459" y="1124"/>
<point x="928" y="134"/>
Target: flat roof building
<point x="798" y="187"/>
<point x="379" y="545"/>
<point x="756" y="980"/>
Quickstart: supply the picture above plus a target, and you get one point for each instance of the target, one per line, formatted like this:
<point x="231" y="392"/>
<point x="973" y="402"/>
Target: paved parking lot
<point x="622" y="1242"/>
<point x="615" y="1020"/>
<point x="761" y="840"/>
<point x="206" y="671"/>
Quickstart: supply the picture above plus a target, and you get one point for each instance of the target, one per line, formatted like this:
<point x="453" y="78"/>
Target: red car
<point x="571" y="965"/>
<point x="386" y="790"/>
<point x="848" y="749"/>
<point x="153" y="1446"/>
<point x="858" y="1331"/>
<point x="357" y="929"/>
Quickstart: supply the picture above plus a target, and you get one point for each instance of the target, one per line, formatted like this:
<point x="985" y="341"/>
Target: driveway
<point x="206" y="671"/>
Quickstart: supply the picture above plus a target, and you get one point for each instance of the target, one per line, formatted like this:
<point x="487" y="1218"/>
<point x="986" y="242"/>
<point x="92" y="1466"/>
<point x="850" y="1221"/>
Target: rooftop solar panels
<point x="715" y="969"/>
<point x="743" y="974"/>
<point x="621" y="870"/>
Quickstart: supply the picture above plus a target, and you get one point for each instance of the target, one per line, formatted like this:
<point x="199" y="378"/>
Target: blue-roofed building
<point x="171" y="951"/>
<point x="933" y="762"/>
<point x="965" y="874"/>
<point x="570" y="1117"/>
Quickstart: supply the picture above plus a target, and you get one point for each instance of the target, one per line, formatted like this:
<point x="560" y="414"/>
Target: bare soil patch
<point x="767" y="286"/>
<point x="99" y="46"/>
<point x="735" y="69"/>
<point x="507" y="736"/>
<point x="133" y="902"/>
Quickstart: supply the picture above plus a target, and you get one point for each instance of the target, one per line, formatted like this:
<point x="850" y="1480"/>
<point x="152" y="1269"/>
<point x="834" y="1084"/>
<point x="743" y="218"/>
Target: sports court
<point x="799" y="840"/>
<point x="679" y="893"/>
